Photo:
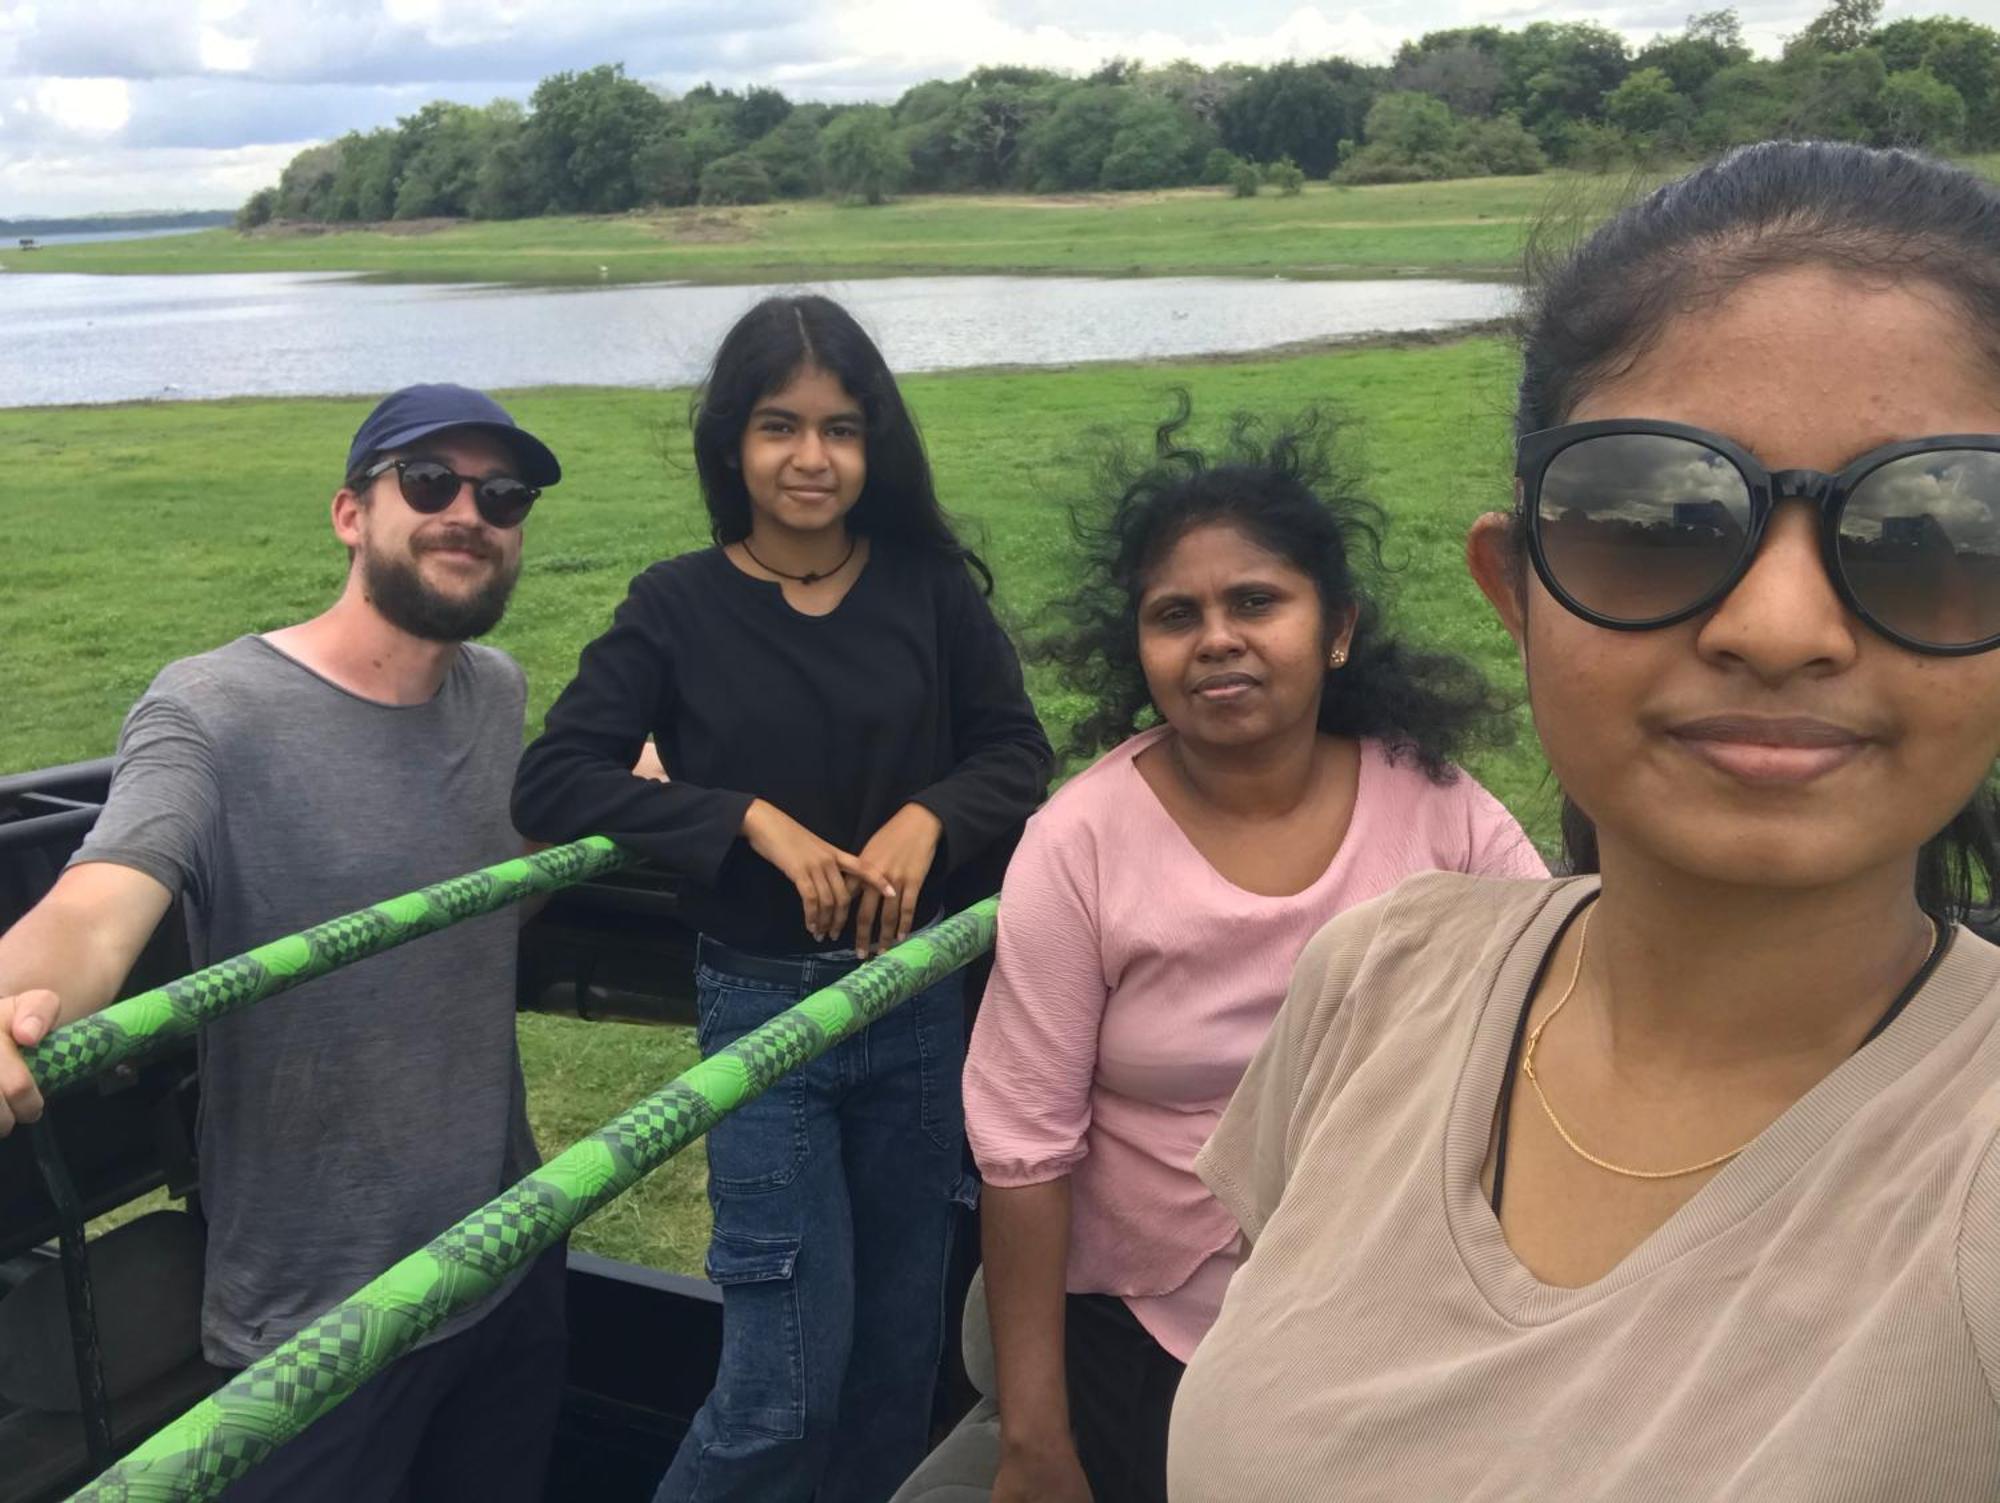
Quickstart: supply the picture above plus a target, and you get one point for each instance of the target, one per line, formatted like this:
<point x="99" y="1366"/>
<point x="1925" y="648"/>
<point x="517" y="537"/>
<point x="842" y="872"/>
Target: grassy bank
<point x="1461" y="228"/>
<point x="139" y="534"/>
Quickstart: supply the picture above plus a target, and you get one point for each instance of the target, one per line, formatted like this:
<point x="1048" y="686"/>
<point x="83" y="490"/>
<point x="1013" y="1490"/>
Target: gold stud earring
<point x="1339" y="657"/>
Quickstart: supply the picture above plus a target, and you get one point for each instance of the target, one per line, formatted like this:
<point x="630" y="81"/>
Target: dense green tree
<point x="305" y="187"/>
<point x="1218" y="168"/>
<point x="583" y="128"/>
<point x="790" y="155"/>
<point x="1920" y="109"/>
<point x="364" y="186"/>
<point x="1842" y="27"/>
<point x="1558" y="72"/>
<point x="990" y="124"/>
<point x="1065" y="149"/>
<point x="509" y="185"/>
<point x="1155" y="145"/>
<point x="1957" y="52"/>
<point x="1832" y="95"/>
<point x="864" y="158"/>
<point x="257" y="209"/>
<point x="1467" y="78"/>
<point x="736" y="179"/>
<point x="444" y="146"/>
<point x="664" y="171"/>
<point x="1744" y="102"/>
<point x="758" y="113"/>
<point x="1298" y="110"/>
<point x="1653" y="114"/>
<point x="1691" y="57"/>
<point x="1467" y="100"/>
<point x="1412" y="125"/>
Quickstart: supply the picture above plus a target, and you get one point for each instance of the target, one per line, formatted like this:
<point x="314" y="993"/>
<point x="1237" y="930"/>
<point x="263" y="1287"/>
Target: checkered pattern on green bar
<point x="133" y="1028"/>
<point x="226" y="1434"/>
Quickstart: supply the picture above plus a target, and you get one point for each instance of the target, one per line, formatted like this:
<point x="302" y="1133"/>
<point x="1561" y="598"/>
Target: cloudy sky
<point x="130" y="104"/>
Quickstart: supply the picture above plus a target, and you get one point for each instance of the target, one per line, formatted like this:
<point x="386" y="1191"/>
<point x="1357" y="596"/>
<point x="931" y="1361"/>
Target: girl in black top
<point x="843" y="724"/>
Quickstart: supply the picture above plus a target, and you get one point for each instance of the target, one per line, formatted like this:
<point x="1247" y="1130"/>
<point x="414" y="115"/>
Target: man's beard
<point x="396" y="588"/>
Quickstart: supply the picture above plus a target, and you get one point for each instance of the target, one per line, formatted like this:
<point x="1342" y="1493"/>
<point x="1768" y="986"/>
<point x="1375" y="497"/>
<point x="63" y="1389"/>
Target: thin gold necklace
<point x="1528" y="1069"/>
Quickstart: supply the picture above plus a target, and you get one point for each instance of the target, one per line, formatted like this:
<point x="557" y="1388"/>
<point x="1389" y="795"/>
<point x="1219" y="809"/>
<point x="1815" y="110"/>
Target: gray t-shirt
<point x="346" y="1123"/>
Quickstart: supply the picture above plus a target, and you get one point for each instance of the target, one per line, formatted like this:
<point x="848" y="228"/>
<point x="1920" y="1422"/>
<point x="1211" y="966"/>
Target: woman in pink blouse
<point x="1153" y="912"/>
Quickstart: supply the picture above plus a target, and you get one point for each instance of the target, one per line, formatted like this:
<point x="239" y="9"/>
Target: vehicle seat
<point x="962" y="1468"/>
<point x="146" y="1281"/>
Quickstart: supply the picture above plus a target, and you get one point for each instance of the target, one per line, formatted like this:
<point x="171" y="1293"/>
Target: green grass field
<point x="138" y="534"/>
<point x="1463" y="228"/>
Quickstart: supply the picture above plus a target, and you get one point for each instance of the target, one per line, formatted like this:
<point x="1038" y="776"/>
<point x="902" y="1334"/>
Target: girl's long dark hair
<point x="1594" y="307"/>
<point x="765" y="348"/>
<point x="1288" y="493"/>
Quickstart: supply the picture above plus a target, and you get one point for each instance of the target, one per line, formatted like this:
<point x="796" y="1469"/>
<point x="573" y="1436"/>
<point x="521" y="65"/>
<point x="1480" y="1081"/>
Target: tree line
<point x="1467" y="101"/>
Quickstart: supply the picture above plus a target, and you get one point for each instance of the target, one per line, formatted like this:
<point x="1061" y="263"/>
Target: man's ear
<point x="1493" y="557"/>
<point x="346" y="510"/>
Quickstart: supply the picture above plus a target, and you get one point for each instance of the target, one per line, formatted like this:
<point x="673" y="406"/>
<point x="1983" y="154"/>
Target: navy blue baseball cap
<point x="415" y="412"/>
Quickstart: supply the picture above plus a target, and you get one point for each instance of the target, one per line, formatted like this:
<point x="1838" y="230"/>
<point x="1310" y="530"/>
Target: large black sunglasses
<point x="1635" y="524"/>
<point x="430" y="485"/>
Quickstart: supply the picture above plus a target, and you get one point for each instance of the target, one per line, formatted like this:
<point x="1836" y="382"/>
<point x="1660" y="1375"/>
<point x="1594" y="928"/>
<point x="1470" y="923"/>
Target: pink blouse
<point x="1131" y="984"/>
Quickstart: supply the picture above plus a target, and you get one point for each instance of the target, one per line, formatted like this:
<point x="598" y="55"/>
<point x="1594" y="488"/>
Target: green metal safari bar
<point x="228" y="1433"/>
<point x="133" y="1028"/>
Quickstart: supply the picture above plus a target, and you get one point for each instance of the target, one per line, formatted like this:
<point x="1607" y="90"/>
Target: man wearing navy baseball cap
<point x="283" y="779"/>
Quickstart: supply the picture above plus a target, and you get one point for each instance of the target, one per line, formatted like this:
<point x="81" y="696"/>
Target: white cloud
<point x="86" y="86"/>
<point x="84" y="106"/>
<point x="55" y="181"/>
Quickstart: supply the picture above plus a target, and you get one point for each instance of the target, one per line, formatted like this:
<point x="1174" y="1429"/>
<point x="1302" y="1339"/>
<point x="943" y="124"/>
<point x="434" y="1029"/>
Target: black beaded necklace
<point x="808" y="578"/>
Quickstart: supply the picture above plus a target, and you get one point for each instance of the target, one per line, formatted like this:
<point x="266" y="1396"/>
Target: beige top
<point x="1820" y="1321"/>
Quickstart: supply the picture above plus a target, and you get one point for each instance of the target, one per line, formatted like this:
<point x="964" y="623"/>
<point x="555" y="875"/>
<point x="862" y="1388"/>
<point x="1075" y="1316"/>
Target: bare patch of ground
<point x="701" y="226"/>
<point x="296" y="229"/>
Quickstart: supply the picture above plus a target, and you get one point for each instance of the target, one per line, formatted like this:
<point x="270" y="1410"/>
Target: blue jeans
<point x="836" y="1195"/>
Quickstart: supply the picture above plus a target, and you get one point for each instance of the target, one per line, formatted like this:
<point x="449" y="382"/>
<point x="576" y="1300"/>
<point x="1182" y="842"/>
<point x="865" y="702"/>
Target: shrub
<point x="1245" y="180"/>
<point x="1284" y="175"/>
<point x="1503" y="147"/>
<point x="1218" y="168"/>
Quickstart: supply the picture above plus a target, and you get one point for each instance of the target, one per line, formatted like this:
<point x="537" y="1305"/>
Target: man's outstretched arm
<point x="66" y="958"/>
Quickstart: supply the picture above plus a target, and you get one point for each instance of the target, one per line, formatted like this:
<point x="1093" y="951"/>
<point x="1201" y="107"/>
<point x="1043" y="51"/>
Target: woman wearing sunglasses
<point x="1678" y="1180"/>
<point x="843" y="724"/>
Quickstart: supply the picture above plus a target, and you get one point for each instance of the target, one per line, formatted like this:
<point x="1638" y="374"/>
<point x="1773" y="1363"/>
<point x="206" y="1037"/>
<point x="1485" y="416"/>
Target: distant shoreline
<point x="113" y="224"/>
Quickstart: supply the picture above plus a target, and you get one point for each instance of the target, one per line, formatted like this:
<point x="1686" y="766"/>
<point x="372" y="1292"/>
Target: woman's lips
<point x="1753" y="749"/>
<point x="1222" y="688"/>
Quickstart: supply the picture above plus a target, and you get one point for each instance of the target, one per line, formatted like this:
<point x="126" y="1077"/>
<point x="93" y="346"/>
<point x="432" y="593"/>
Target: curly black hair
<point x="1290" y="493"/>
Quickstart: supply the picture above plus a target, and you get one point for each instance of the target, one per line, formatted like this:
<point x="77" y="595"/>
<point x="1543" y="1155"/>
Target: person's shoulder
<point x="945" y="576"/>
<point x="491" y="670"/>
<point x="1089" y="814"/>
<point x="1100" y="797"/>
<point x="1438" y="923"/>
<point x="1401" y="778"/>
<point x="209" y="682"/>
<point x="1453" y="821"/>
<point x="699" y="569"/>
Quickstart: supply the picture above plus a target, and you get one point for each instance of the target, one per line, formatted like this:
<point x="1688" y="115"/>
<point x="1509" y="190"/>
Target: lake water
<point x="70" y="338"/>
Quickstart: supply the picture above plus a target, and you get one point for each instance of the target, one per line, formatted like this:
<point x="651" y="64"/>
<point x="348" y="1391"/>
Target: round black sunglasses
<point x="1634" y="525"/>
<point x="430" y="485"/>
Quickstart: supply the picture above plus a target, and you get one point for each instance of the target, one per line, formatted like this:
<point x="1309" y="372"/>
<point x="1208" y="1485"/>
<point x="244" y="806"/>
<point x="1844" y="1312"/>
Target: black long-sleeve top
<point x="906" y="692"/>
